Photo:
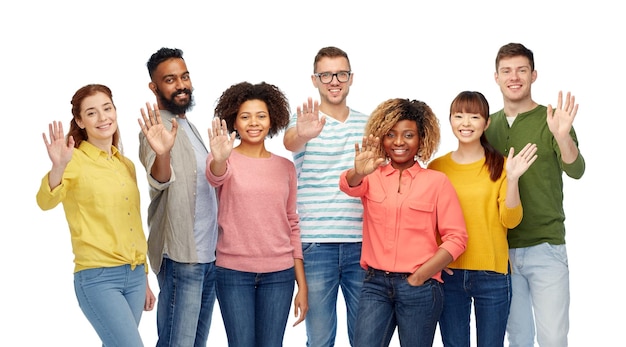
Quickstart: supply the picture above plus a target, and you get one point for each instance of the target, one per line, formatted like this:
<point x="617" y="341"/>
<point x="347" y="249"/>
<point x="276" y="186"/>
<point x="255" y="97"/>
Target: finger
<point x="559" y="103"/>
<point x="310" y="103"/>
<point x="356" y="149"/>
<point x="568" y="106"/>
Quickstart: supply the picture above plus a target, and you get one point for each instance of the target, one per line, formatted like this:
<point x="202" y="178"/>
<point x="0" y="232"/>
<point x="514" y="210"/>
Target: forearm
<point x="512" y="193"/>
<point x="161" y="169"/>
<point x="353" y="178"/>
<point x="569" y="150"/>
<point x="434" y="265"/>
<point x="293" y="141"/>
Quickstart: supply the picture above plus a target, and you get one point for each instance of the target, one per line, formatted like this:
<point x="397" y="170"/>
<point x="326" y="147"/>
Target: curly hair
<point x="230" y="101"/>
<point x="390" y="112"/>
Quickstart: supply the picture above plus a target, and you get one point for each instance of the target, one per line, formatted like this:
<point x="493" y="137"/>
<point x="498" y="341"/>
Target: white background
<point x="397" y="49"/>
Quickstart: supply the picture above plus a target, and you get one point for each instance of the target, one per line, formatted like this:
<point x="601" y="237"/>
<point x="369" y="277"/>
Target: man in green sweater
<point x="537" y="252"/>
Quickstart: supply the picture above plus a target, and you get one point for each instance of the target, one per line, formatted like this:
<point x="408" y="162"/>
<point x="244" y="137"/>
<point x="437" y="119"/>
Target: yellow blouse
<point x="102" y="207"/>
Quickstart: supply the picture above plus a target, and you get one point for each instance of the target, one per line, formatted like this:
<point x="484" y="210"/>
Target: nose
<point x="398" y="140"/>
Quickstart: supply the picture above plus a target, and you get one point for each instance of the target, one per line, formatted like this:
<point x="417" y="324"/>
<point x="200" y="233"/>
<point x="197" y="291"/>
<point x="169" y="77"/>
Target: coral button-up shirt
<point x="407" y="219"/>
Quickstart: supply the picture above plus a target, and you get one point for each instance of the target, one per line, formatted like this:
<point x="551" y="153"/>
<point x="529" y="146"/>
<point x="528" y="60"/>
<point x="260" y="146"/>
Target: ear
<point x="80" y="123"/>
<point x="534" y="76"/>
<point x="495" y="76"/>
<point x="488" y="122"/>
<point x="153" y="87"/>
<point x="314" y="81"/>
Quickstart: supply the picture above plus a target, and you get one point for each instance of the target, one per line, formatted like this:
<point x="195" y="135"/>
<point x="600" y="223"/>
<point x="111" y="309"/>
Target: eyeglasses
<point x="327" y="77"/>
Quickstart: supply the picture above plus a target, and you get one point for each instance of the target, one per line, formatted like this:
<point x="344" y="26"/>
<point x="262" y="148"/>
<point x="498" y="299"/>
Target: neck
<point x="513" y="108"/>
<point x="339" y="112"/>
<point x="468" y="152"/>
<point x="104" y="145"/>
<point x="253" y="150"/>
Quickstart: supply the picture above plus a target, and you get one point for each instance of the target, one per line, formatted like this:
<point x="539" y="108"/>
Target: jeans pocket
<point x="308" y="247"/>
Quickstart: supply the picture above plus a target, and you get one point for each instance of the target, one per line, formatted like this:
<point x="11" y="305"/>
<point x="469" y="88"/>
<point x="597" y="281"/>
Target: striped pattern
<point x="326" y="213"/>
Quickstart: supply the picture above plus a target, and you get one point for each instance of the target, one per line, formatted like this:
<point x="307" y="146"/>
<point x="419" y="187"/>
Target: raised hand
<point x="517" y="165"/>
<point x="220" y="142"/>
<point x="367" y="158"/>
<point x="59" y="150"/>
<point x="309" y="124"/>
<point x="160" y="139"/>
<point x="561" y="118"/>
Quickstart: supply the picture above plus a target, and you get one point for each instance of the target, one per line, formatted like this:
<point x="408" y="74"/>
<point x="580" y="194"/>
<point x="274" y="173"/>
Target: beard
<point x="171" y="105"/>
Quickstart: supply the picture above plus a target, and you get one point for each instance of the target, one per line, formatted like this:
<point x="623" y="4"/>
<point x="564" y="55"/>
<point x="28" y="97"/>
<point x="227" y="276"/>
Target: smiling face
<point x="468" y="127"/>
<point x="253" y="122"/>
<point x="171" y="84"/>
<point x="515" y="76"/>
<point x="401" y="144"/>
<point x="334" y="92"/>
<point x="99" y="119"/>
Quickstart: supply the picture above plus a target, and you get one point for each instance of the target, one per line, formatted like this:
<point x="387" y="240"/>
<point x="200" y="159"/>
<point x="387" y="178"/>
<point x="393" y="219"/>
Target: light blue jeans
<point x="327" y="267"/>
<point x="540" y="279"/>
<point x="185" y="305"/>
<point x="489" y="292"/>
<point x="389" y="301"/>
<point x="255" y="306"/>
<point x="112" y="299"/>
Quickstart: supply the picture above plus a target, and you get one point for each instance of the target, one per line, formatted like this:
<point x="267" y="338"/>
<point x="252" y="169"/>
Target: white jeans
<point x="541" y="297"/>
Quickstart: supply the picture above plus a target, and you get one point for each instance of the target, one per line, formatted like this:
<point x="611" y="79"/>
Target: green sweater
<point x="541" y="187"/>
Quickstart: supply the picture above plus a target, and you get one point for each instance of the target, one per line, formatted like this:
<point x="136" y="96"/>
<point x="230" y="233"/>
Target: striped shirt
<point x="326" y="213"/>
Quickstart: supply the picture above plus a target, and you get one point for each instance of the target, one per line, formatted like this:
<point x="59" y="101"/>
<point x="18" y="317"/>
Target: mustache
<point x="178" y="91"/>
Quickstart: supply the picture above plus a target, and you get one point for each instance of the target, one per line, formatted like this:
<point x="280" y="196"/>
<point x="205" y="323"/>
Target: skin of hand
<point x="436" y="263"/>
<point x="150" y="298"/>
<point x="301" y="301"/>
<point x="309" y="124"/>
<point x="59" y="150"/>
<point x="517" y="165"/>
<point x="366" y="160"/>
<point x="160" y="140"/>
<point x="560" y="120"/>
<point x="221" y="145"/>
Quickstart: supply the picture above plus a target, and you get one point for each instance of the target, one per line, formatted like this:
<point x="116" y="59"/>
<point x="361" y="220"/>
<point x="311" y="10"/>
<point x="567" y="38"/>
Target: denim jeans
<point x="185" y="305"/>
<point x="255" y="306"/>
<point x="112" y="299"/>
<point x="490" y="293"/>
<point x="327" y="267"/>
<point x="389" y="301"/>
<point x="540" y="279"/>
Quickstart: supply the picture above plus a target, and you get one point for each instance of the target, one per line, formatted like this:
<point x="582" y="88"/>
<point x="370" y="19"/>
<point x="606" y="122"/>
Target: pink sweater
<point x="258" y="222"/>
<point x="401" y="230"/>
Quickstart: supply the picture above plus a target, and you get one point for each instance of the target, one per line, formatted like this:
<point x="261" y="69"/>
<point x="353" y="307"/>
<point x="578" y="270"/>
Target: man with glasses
<point x="322" y="137"/>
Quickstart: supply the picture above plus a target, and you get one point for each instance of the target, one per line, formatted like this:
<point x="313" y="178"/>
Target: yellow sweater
<point x="486" y="216"/>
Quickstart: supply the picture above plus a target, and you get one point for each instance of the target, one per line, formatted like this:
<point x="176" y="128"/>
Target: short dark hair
<point x="162" y="55"/>
<point x="514" y="50"/>
<point x="330" y="52"/>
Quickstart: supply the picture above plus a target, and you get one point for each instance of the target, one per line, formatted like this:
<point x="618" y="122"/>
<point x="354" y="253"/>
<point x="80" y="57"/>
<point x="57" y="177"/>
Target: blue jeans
<point x="389" y="301"/>
<point x="255" y="306"/>
<point x="540" y="279"/>
<point x="185" y="305"/>
<point x="112" y="299"/>
<point x="491" y="294"/>
<point x="327" y="267"/>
